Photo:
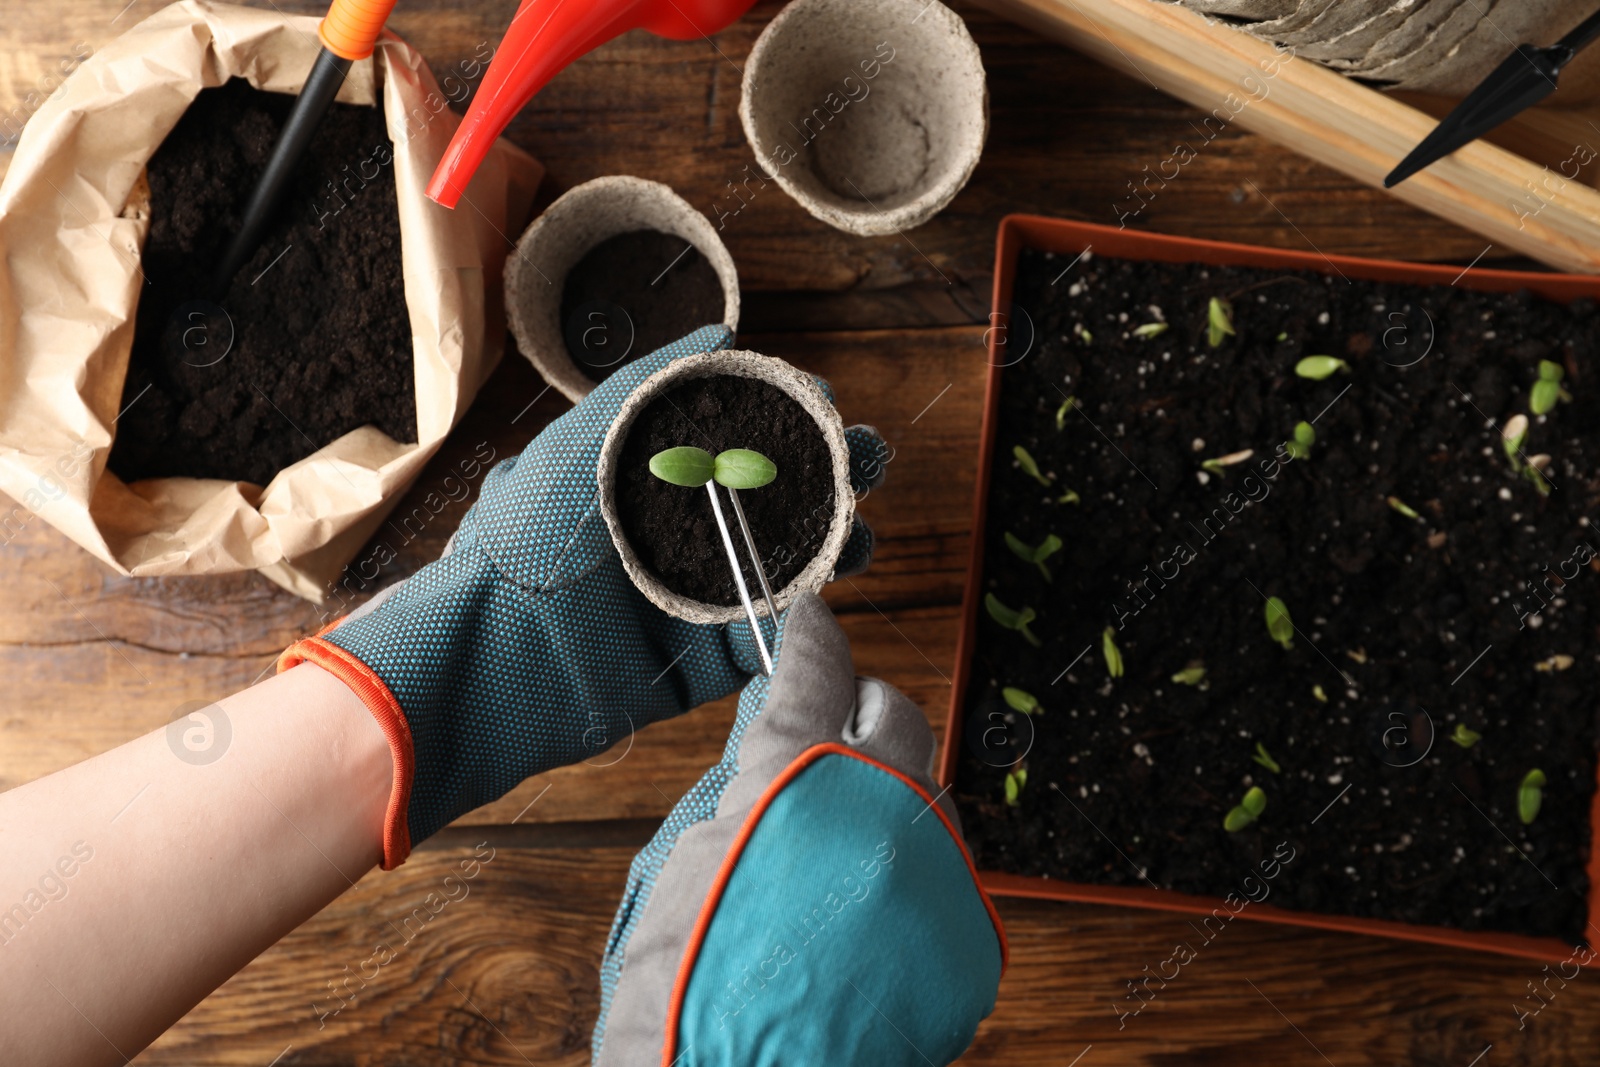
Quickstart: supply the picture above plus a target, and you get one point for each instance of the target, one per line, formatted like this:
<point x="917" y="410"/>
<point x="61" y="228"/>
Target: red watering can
<point x="543" y="38"/>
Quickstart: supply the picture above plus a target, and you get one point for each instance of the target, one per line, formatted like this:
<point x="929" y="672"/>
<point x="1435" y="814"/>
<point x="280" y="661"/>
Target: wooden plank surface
<point x="507" y="976"/>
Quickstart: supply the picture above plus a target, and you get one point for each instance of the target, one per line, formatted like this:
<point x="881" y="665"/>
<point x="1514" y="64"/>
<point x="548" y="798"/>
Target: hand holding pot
<point x="810" y="899"/>
<point x="526" y="646"/>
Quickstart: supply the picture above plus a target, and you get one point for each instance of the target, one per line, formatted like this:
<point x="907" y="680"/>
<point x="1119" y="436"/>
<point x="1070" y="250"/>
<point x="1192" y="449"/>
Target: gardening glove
<point x="525" y="646"/>
<point x="810" y="900"/>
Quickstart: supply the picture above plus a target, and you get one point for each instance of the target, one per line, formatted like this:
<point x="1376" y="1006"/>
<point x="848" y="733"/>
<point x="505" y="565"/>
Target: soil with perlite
<point x="672" y="528"/>
<point x="320" y="335"/>
<point x="1405" y="627"/>
<point x="632" y="294"/>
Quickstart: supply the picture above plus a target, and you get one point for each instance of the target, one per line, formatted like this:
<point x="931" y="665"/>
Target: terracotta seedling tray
<point x="1060" y="236"/>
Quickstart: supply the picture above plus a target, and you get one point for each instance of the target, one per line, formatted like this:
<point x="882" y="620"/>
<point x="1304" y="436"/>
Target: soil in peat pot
<point x="1394" y="616"/>
<point x="672" y="527"/>
<point x="321" y="339"/>
<point x="632" y="294"/>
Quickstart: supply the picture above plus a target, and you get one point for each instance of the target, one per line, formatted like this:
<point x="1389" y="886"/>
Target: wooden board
<point x="1531" y="205"/>
<point x="508" y="975"/>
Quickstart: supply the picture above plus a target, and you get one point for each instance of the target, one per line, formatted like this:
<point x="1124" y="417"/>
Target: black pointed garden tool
<point x="1524" y="78"/>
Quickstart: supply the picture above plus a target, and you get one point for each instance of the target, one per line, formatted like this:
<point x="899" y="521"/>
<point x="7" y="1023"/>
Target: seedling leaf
<point x="685" y="465"/>
<point x="1512" y="435"/>
<point x="1193" y="674"/>
<point x="1061" y="412"/>
<point x="1264" y="758"/>
<point x="1403" y="508"/>
<point x="1530" y="796"/>
<point x="1299" y="447"/>
<point x="1034" y="554"/>
<point x="1011" y="620"/>
<point x="1255" y="801"/>
<point x="1216" y="464"/>
<point x="1319" y="367"/>
<point x="1029" y="467"/>
<point x="1113" y="654"/>
<point x="1069" y="497"/>
<point x="1013" y="789"/>
<point x="1550" y="372"/>
<point x="1151" y="329"/>
<point x="1321" y="695"/>
<point x="1219" y="321"/>
<point x="1542" y="399"/>
<point x="740" y="468"/>
<point x="1278" y="622"/>
<point x="1464" y="736"/>
<point x="1021" y="700"/>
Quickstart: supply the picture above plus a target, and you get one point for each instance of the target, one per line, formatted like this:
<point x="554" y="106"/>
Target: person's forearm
<point x="149" y="869"/>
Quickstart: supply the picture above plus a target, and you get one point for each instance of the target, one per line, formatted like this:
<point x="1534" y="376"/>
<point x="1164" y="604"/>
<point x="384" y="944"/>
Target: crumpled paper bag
<point x="74" y="211"/>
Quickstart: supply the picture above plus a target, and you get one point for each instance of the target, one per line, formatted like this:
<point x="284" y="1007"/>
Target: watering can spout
<point x="543" y="38"/>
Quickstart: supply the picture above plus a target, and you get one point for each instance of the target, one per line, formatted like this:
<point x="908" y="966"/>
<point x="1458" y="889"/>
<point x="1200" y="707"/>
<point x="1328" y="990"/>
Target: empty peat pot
<point x="608" y="333"/>
<point x="870" y="113"/>
<point x="666" y="534"/>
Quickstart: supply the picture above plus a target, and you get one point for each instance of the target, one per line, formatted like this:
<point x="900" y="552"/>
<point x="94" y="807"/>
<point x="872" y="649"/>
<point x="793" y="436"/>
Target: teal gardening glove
<point x="810" y="900"/>
<point x="526" y="647"/>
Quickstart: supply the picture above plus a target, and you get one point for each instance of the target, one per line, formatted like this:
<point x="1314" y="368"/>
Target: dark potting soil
<point x="321" y="339"/>
<point x="673" y="528"/>
<point x="632" y="294"/>
<point x="1400" y="622"/>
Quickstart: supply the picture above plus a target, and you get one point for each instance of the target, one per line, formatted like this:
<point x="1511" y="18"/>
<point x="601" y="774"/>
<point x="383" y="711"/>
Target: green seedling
<point x="736" y="468"/>
<point x="1321" y="695"/>
<point x="1029" y="467"/>
<point x="1465" y="736"/>
<point x="1113" y="654"/>
<point x="1012" y="620"/>
<point x="1216" y="465"/>
<point x="1193" y="674"/>
<point x="1219" y="321"/>
<point x="1083" y="333"/>
<point x="1069" y="497"/>
<point x="1534" y="472"/>
<point x="1278" y="623"/>
<point x="1036" y="554"/>
<point x="1547" y="391"/>
<point x="1149" y="330"/>
<point x="1021" y="700"/>
<point x="1305" y="435"/>
<point x="1512" y="435"/>
<point x="1015" y="780"/>
<point x="1283" y="335"/>
<point x="1061" y="412"/>
<point x="1248" y="810"/>
<point x="1405" y="509"/>
<point x="1319" y="367"/>
<point x="1264" y="758"/>
<point x="1530" y="796"/>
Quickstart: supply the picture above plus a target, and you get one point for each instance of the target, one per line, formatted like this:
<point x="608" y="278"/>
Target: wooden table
<point x="508" y="975"/>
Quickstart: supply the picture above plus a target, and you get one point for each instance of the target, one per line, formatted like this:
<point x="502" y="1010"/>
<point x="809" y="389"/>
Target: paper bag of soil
<point x="74" y="213"/>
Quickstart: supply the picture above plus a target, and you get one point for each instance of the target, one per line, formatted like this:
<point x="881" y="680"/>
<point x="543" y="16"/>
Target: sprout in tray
<point x="1012" y="620"/>
<point x="1061" y="412"/>
<point x="1465" y="736"/>
<point x="1113" y="654"/>
<point x="1193" y="674"/>
<point x="1278" y="623"/>
<point x="1219" y="321"/>
<point x="1512" y="435"/>
<point x="1021" y="700"/>
<point x="1029" y="467"/>
<point x="1248" y="810"/>
<point x="1530" y="796"/>
<point x="1405" y="509"/>
<point x="1547" y="391"/>
<point x="1299" y="447"/>
<point x="1035" y="554"/>
<point x="1069" y="497"/>
<point x="1320" y="694"/>
<point x="1558" y="662"/>
<point x="1263" y="757"/>
<point x="1015" y="780"/>
<point x="1319" y="367"/>
<point x="1216" y="464"/>
<point x="1152" y="329"/>
<point x="733" y="469"/>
